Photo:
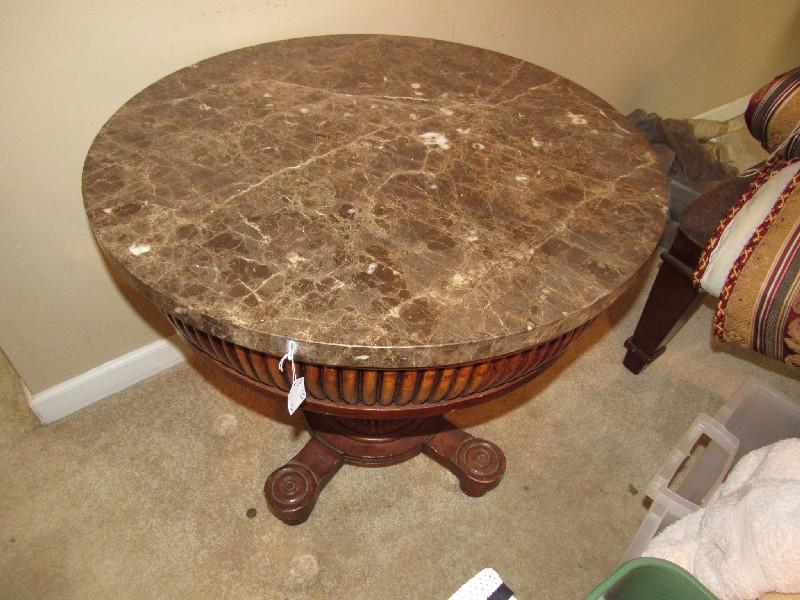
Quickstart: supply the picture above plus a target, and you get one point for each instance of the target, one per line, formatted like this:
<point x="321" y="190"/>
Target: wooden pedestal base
<point x="378" y="417"/>
<point x="292" y="490"/>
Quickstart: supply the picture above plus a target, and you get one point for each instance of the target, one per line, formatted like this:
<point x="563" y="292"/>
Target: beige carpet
<point x="145" y="494"/>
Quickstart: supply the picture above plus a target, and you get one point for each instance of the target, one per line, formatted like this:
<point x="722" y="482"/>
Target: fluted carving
<point x="345" y="387"/>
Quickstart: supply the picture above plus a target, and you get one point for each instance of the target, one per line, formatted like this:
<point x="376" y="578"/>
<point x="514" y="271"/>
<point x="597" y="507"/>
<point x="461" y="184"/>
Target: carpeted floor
<point x="145" y="494"/>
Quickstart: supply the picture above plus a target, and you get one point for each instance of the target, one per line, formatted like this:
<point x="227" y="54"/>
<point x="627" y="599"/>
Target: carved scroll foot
<point x="478" y="464"/>
<point x="292" y="490"/>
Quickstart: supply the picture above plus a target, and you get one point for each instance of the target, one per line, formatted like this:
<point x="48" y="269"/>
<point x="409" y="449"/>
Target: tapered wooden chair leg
<point x="669" y="304"/>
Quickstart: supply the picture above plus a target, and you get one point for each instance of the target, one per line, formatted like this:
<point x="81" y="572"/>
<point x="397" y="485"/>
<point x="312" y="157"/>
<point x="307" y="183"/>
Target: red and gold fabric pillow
<point x="752" y="263"/>
<point x="773" y="115"/>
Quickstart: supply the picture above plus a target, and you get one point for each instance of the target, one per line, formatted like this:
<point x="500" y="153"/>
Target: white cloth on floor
<point x="746" y="540"/>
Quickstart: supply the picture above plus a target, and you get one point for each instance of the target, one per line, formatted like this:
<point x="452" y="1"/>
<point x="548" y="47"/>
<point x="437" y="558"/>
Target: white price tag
<point x="297" y="394"/>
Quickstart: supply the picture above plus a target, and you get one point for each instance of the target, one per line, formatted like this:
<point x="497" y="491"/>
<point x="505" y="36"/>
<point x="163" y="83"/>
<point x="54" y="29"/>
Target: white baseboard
<point x="87" y="388"/>
<point x="726" y="111"/>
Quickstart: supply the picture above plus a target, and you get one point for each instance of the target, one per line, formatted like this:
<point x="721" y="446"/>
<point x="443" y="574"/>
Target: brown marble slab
<point x="384" y="201"/>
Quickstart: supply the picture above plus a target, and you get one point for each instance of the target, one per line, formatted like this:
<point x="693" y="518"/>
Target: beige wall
<point x="66" y="66"/>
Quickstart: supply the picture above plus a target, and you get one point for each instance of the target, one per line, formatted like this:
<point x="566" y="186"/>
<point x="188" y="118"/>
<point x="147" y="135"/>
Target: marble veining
<point x="384" y="201"/>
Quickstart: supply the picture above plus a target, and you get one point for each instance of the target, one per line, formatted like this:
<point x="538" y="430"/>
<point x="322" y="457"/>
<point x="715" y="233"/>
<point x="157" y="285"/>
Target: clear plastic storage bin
<point x="755" y="416"/>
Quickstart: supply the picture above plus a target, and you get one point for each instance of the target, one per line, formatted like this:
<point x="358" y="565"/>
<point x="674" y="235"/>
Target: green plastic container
<point x="650" y="579"/>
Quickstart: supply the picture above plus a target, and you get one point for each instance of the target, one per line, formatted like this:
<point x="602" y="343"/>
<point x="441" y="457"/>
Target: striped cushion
<point x="737" y="227"/>
<point x="773" y="115"/>
<point x="753" y="263"/>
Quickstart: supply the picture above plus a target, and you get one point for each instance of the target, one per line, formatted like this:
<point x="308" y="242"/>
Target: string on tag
<point x="297" y="393"/>
<point x="290" y="350"/>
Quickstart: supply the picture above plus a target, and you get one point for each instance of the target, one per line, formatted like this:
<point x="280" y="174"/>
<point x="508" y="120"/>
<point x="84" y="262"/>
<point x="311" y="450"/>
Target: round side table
<point x="429" y="224"/>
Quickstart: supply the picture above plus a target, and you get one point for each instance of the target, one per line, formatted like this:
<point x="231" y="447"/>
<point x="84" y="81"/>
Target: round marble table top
<point x="383" y="201"/>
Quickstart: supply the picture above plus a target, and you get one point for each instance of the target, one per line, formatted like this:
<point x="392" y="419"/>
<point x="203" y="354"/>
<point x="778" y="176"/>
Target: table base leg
<point x="291" y="491"/>
<point x="478" y="464"/>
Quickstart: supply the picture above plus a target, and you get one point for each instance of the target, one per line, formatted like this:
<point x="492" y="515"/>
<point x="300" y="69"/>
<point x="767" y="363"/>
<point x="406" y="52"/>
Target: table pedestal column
<point x="292" y="490"/>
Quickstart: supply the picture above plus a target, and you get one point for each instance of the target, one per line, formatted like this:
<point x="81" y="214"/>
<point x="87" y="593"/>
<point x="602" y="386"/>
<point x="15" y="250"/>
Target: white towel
<point x="746" y="540"/>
